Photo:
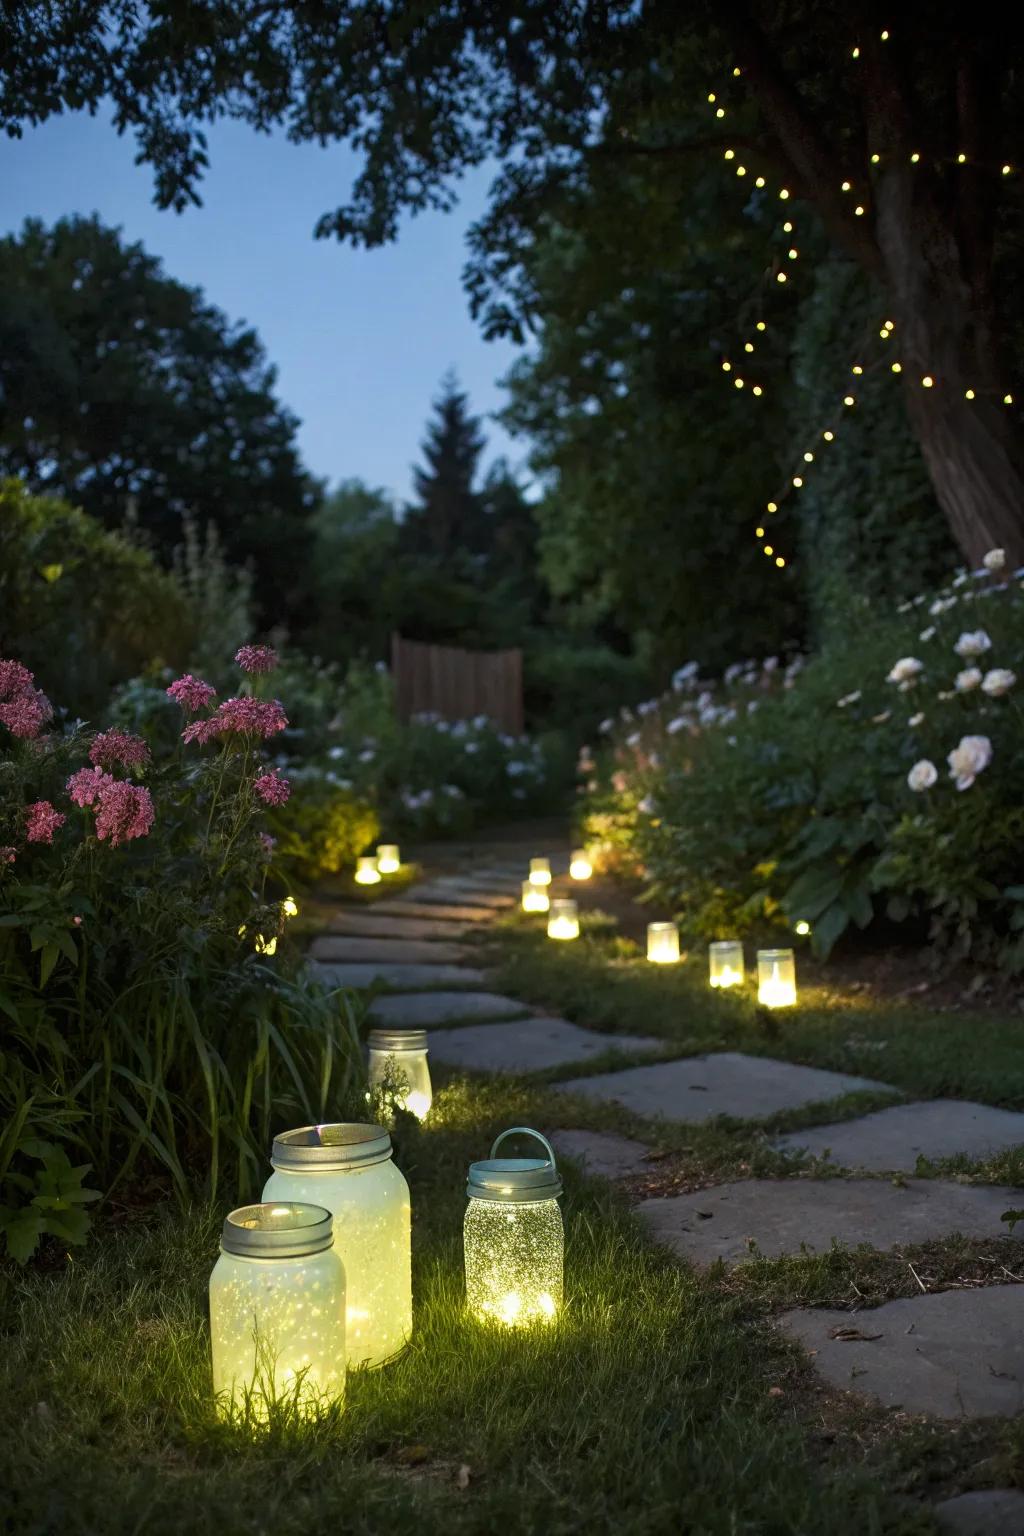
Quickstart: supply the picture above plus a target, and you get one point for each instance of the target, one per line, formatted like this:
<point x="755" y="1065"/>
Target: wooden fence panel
<point x="457" y="684"/>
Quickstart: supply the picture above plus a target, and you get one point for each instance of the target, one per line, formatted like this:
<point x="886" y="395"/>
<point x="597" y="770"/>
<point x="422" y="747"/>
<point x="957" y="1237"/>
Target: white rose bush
<point x="807" y="787"/>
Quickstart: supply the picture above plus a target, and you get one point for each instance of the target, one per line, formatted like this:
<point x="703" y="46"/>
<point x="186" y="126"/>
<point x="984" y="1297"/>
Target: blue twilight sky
<point x="360" y="338"/>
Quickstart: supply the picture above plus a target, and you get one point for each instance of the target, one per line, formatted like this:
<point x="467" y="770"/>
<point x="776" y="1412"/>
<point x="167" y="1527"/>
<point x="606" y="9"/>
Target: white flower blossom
<point x="906" y="670"/>
<point x="606" y="726"/>
<point x="882" y="718"/>
<point x="967" y="760"/>
<point x="968" y="680"/>
<point x="995" y="560"/>
<point x="923" y="775"/>
<point x="927" y="634"/>
<point x="999" y="681"/>
<point x="946" y="693"/>
<point x="678" y="724"/>
<point x="646" y="806"/>
<point x="942" y="605"/>
<point x="973" y="643"/>
<point x="848" y="698"/>
<point x="960" y="579"/>
<point x="634" y="740"/>
<point x="916" y="720"/>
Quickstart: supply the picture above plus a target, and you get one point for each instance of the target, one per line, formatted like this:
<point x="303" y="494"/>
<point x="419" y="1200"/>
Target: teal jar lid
<point x="515" y="1180"/>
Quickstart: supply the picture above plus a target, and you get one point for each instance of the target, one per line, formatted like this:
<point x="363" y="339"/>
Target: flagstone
<point x="528" y="1045"/>
<point x="401" y="907"/>
<point x="893" y="1139"/>
<point x="983" y="1512"/>
<point x="372" y="924"/>
<point x="784" y="1216"/>
<point x="461" y="895"/>
<point x="337" y="947"/>
<point x="699" y="1088"/>
<point x="398" y="977"/>
<point x="602" y="1152"/>
<point x="424" y="1009"/>
<point x="956" y="1354"/>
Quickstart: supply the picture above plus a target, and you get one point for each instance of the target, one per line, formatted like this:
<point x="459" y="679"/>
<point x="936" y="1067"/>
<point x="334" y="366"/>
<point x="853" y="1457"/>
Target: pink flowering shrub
<point x="42" y="821"/>
<point x="257" y="658"/>
<point x="24" y="708"/>
<point x="272" y="789"/>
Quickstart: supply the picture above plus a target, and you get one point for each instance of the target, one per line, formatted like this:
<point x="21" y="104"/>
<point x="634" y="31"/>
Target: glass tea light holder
<point x="348" y="1170"/>
<point x="663" y="943"/>
<point x="514" y="1241"/>
<point x="277" y="1311"/>
<point x="580" y="865"/>
<point x="367" y="872"/>
<point x="563" y="920"/>
<point x="402" y="1055"/>
<point x="388" y="860"/>
<point x="776" y="978"/>
<point x="540" y="871"/>
<point x="725" y="963"/>
<point x="535" y="897"/>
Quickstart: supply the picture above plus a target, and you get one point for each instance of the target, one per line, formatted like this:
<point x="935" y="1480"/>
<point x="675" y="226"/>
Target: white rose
<point x="905" y="670"/>
<point x="999" y="681"/>
<point x="967" y="760"/>
<point x="973" y="643"/>
<point x="922" y="776"/>
<point x="995" y="560"/>
<point x="968" y="679"/>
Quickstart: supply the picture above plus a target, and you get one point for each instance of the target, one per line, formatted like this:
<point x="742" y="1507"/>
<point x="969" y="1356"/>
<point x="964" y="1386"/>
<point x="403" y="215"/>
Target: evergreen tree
<point x="448" y="519"/>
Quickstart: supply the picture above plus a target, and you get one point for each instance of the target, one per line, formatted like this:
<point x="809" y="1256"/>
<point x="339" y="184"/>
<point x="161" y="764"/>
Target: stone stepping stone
<point x="602" y="1153"/>
<point x="985" y="1512"/>
<point x="336" y="947"/>
<point x="529" y="1045"/>
<point x="369" y="924"/>
<point x="461" y="895"/>
<point x="698" y="1088"/>
<point x="421" y="1010"/>
<point x="955" y="1354"/>
<point x="445" y="912"/>
<point x="400" y="978"/>
<point x="891" y="1140"/>
<point x="784" y="1215"/>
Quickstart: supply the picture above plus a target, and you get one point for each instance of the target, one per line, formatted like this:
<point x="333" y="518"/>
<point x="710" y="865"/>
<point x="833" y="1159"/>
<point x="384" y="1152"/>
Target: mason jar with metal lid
<point x="277" y="1311"/>
<point x="348" y="1169"/>
<point x="513" y="1236"/>
<point x="406" y="1051"/>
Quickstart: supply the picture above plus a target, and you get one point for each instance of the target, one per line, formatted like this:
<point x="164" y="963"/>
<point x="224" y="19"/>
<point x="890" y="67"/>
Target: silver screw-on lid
<point x="388" y="1041"/>
<point x="515" y="1180"/>
<point x="329" y="1148"/>
<point x="277" y="1230"/>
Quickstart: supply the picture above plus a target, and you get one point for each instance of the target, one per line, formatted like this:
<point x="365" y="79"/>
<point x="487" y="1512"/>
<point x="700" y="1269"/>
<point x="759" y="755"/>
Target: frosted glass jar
<point x="540" y="871"/>
<point x="406" y="1051"/>
<point x="348" y="1169"/>
<point x="580" y="865"/>
<point x="663" y="943"/>
<point x="563" y="920"/>
<point x="388" y="860"/>
<point x="535" y="898"/>
<point x="725" y="963"/>
<point x="776" y="978"/>
<point x="277" y="1311"/>
<point x="513" y="1236"/>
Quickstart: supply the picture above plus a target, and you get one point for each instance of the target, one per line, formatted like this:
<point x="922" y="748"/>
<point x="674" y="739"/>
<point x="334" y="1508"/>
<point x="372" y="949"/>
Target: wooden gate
<point x="456" y="684"/>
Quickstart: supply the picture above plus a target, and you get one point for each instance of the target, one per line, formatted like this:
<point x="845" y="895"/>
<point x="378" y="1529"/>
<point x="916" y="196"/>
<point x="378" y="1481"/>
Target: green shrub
<point x="322" y="828"/>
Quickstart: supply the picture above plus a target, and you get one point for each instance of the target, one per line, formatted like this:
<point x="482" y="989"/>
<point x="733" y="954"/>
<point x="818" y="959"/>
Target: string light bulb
<point x="1007" y="399"/>
<point x="730" y="154"/>
<point x="793" y="253"/>
<point x="849" y="400"/>
<point x="712" y="97"/>
<point x="1007" y="170"/>
<point x="720" y="112"/>
<point x="914" y="158"/>
<point x="748" y="346"/>
<point x="798" y="481"/>
<point x="784" y="192"/>
<point x="855" y="54"/>
<point x="857" y="368"/>
<point x="726" y="366"/>
<point x="759" y="533"/>
<point x="761" y="325"/>
<point x="741" y="170"/>
<point x="884" y="36"/>
<point x="780" y="277"/>
<point x="875" y="159"/>
<point x="779" y="561"/>
<point x="787" y="228"/>
<point x="759" y="181"/>
<point x="827" y="435"/>
<point x="968" y="394"/>
<point x="961" y="158"/>
<point x="846" y="186"/>
<point x="757" y="390"/>
<point x="927" y="381"/>
<point x="769" y="550"/>
<point x="897" y="367"/>
<point x="738" y="383"/>
<point x="859" y="210"/>
<point x="808" y="458"/>
<point x="773" y="506"/>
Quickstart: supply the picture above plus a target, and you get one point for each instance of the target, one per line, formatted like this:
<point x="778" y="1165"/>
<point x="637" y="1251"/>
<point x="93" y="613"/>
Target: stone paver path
<point x="446" y="911"/>
<point x="785" y="1215"/>
<point x="892" y="1140"/>
<point x="459" y="895"/>
<point x="332" y="947"/>
<point x="985" y="1512"/>
<point x="528" y="1045"/>
<point x="955" y="1354"/>
<point x="422" y="1010"/>
<point x="602" y="1152"/>
<point x="369" y="924"/>
<point x="729" y="1083"/>
<point x="400" y="978"/>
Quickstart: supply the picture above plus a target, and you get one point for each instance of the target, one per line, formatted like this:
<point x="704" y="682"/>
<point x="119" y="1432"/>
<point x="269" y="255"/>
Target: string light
<point x="779" y="561"/>
<point x="884" y="36"/>
<point x="761" y="325"/>
<point x="808" y="457"/>
<point x="968" y="394"/>
<point x="741" y="170"/>
<point x="769" y="550"/>
<point x="780" y="277"/>
<point x="787" y="228"/>
<point x="759" y="182"/>
<point x="897" y="367"/>
<point x="875" y="159"/>
<point x="914" y="159"/>
<point x="793" y="253"/>
<point x="730" y="154"/>
<point x="738" y="383"/>
<point x="759" y="533"/>
<point x="858" y="211"/>
<point x="828" y="436"/>
<point x="849" y="400"/>
<point x="961" y="158"/>
<point x="1007" y="399"/>
<point x="726" y="366"/>
<point x="847" y="186"/>
<point x="748" y="346"/>
<point x="798" y="481"/>
<point x="927" y="381"/>
<point x="1007" y="170"/>
<point x="855" y="54"/>
<point x="784" y="191"/>
<point x="773" y="506"/>
<point x="757" y="390"/>
<point x="857" y="368"/>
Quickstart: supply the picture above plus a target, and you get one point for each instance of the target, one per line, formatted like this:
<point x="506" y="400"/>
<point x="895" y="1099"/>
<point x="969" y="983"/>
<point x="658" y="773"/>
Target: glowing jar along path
<point x="725" y="963"/>
<point x="563" y="920"/>
<point x="776" y="978"/>
<point x="367" y="872"/>
<point x="580" y="866"/>
<point x="540" y="871"/>
<point x="277" y="1312"/>
<point x="663" y="943"/>
<point x="535" y="897"/>
<point x="405" y="1051"/>
<point x="388" y="861"/>
<point x="514" y="1241"/>
<point x="348" y="1169"/>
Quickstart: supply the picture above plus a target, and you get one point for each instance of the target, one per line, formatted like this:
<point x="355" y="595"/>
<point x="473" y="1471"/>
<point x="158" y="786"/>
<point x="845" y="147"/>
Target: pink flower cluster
<point x="42" y="820"/>
<point x="192" y="693"/>
<point x="123" y="810"/>
<point x="7" y="854"/>
<point x="272" y="789"/>
<point x="257" y="658"/>
<point x="111" y="748"/>
<point x="24" y="708"/>
<point x="242" y="717"/>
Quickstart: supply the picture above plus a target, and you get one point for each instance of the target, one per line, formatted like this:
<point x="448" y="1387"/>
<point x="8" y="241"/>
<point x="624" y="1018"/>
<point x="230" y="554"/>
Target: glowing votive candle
<point x="563" y="920"/>
<point x="290" y="907"/>
<point x="405" y="1050"/>
<point x="535" y="897"/>
<point x="540" y="871"/>
<point x="663" y="943"/>
<point x="776" y="978"/>
<point x="580" y="867"/>
<point x="388" y="861"/>
<point x="514" y="1242"/>
<point x="367" y="872"/>
<point x="725" y="962"/>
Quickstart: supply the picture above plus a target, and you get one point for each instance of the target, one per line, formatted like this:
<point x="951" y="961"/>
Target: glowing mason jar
<point x="513" y="1237"/>
<point x="580" y="866"/>
<point x="563" y="920"/>
<point x="535" y="897"/>
<point x="388" y="862"/>
<point x="277" y="1311"/>
<point x="367" y="872"/>
<point x="663" y="943"/>
<point x="725" y="958"/>
<point x="776" y="978"/>
<point x="540" y="871"/>
<point x="405" y="1050"/>
<point x="348" y="1170"/>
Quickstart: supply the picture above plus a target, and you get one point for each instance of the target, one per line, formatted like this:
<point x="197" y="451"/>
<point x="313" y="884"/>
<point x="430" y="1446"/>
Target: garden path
<point x="955" y="1354"/>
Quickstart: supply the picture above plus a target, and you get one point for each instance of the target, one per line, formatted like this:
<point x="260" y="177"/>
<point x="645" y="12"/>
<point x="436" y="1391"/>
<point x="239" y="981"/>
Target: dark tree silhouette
<point x="448" y="517"/>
